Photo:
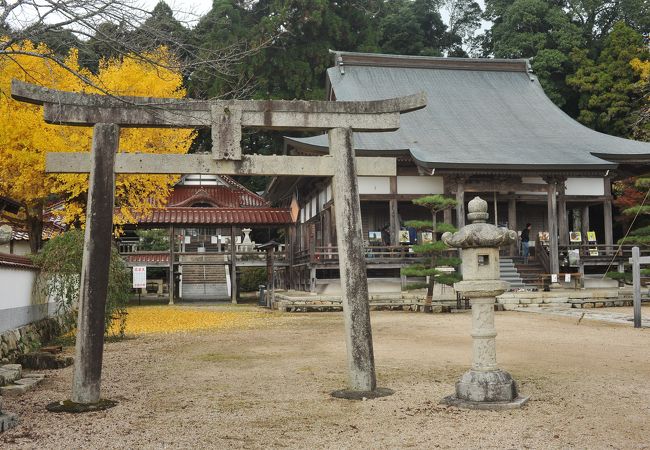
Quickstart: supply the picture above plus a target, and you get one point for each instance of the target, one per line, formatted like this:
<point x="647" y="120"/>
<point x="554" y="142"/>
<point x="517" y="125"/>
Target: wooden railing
<point x="375" y="255"/>
<point x="212" y="257"/>
<point x="541" y="254"/>
<point x="600" y="250"/>
<point x="589" y="255"/>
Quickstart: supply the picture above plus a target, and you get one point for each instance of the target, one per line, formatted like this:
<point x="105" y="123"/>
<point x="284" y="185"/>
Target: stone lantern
<point x="484" y="386"/>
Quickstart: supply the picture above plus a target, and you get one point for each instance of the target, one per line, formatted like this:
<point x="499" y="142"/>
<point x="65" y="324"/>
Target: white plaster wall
<point x="585" y="186"/>
<point x="313" y="207"/>
<point x="18" y="307"/>
<point x="420" y="185"/>
<point x="374" y="185"/>
<point x="16" y="287"/>
<point x="533" y="180"/>
<point x="20" y="248"/>
<point x="322" y="199"/>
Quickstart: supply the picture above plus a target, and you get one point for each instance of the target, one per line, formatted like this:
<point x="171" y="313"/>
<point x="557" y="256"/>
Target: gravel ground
<point x="269" y="387"/>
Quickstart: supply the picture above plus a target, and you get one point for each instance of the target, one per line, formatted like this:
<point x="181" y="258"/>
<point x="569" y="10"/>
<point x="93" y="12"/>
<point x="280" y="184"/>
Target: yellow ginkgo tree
<point x="25" y="137"/>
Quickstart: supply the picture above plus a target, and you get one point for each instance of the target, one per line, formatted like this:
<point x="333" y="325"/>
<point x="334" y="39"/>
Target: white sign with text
<point x="139" y="277"/>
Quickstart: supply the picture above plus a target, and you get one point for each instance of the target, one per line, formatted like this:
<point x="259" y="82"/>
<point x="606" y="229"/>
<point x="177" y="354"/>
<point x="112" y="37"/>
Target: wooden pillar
<point x="393" y="212"/>
<point x="563" y="219"/>
<point x="584" y="224"/>
<point x="326" y="227"/>
<point x="607" y="214"/>
<point x="446" y="214"/>
<point x="270" y="277"/>
<point x="460" y="199"/>
<point x="95" y="265"/>
<point x="394" y="222"/>
<point x="312" y="279"/>
<point x="512" y="222"/>
<point x="354" y="281"/>
<point x="552" y="225"/>
<point x="290" y="233"/>
<point x="172" y="242"/>
<point x="233" y="266"/>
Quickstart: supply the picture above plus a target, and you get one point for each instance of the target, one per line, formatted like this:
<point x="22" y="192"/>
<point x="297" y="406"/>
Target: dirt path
<point x="589" y="386"/>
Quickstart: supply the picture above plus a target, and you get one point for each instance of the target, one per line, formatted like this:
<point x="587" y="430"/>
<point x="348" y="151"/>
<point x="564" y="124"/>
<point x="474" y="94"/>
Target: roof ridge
<point x="342" y="59"/>
<point x="238" y="185"/>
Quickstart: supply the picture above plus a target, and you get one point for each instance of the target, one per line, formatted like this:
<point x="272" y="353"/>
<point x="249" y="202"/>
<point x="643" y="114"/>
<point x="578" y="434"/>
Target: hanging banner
<point x="139" y="277"/>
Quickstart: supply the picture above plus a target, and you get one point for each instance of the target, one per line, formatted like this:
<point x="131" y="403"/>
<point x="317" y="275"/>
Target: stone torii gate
<point x="226" y="118"/>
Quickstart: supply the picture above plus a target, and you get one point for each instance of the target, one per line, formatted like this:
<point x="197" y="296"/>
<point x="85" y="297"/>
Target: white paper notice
<point x="554" y="278"/>
<point x="140" y="277"/>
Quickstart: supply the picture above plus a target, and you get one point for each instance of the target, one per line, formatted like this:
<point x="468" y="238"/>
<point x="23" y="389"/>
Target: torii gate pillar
<point x="95" y="266"/>
<point x="352" y="263"/>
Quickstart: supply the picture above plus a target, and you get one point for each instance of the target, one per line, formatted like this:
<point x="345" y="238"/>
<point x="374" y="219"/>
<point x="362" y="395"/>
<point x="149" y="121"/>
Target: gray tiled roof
<point x="480" y="113"/>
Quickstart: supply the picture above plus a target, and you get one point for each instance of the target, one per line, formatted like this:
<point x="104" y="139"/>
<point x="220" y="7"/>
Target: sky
<point x="184" y="10"/>
<point x="201" y="7"/>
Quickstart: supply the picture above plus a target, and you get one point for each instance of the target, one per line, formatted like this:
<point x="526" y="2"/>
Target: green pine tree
<point x="435" y="249"/>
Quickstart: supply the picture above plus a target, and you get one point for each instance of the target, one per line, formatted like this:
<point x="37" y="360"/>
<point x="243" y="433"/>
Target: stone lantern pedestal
<point x="484" y="386"/>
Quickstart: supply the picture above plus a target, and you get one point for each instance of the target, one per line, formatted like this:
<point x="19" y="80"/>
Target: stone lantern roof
<point x="479" y="233"/>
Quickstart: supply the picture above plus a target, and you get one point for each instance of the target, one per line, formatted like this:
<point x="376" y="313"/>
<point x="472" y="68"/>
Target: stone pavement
<point x="625" y="318"/>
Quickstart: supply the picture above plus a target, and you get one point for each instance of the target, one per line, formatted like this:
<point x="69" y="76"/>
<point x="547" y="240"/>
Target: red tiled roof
<point x="17" y="262"/>
<point x="220" y="196"/>
<point x="211" y="216"/>
<point x="20" y="233"/>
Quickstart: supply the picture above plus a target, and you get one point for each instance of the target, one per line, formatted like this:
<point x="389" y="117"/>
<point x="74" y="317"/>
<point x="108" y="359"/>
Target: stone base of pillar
<point x="349" y="394"/>
<point x="68" y="406"/>
<point x="494" y="389"/>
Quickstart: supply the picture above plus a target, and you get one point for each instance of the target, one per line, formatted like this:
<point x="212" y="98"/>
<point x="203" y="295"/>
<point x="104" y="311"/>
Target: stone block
<point x="29" y="382"/>
<point x="7" y="421"/>
<point x="34" y="375"/>
<point x="10" y="339"/>
<point x="10" y="373"/>
<point x="13" y="389"/>
<point x="587" y="305"/>
<point x="490" y="386"/>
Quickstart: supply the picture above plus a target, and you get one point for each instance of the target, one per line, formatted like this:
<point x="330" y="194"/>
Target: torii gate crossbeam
<point x="226" y="119"/>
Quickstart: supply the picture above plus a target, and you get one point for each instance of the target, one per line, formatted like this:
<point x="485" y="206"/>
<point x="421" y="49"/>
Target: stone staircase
<point x="14" y="382"/>
<point x="529" y="272"/>
<point x="204" y="282"/>
<point x="509" y="273"/>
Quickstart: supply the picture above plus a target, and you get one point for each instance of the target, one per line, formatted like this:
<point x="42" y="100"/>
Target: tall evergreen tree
<point x="609" y="95"/>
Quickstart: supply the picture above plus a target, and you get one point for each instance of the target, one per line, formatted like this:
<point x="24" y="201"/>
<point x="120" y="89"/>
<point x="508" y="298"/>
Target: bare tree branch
<point x="120" y="28"/>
